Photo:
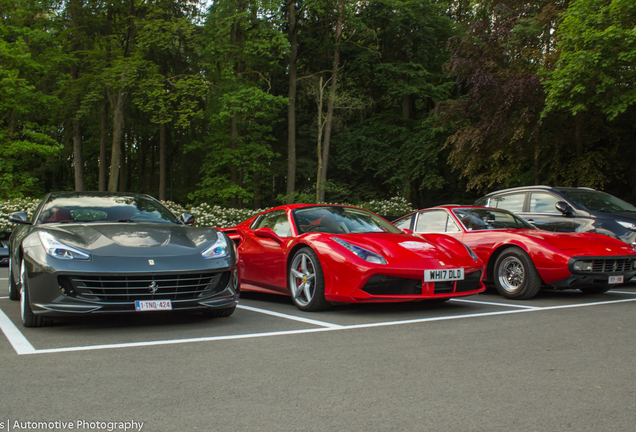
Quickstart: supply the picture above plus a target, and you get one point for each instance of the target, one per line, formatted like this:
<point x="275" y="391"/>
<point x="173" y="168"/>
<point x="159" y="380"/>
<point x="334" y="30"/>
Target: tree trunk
<point x="319" y="186"/>
<point x="330" y="106"/>
<point x="123" y="171"/>
<point x="234" y="178"/>
<point x="103" y="145"/>
<point x="162" y="161"/>
<point x="118" y="132"/>
<point x="291" y="109"/>
<point x="78" y="156"/>
<point x="578" y="142"/>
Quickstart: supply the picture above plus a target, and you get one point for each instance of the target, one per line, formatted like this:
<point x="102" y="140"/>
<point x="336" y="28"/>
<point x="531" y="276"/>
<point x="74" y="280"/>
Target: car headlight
<point x="219" y="249"/>
<point x="471" y="253"/>
<point x="59" y="250"/>
<point x="363" y="253"/>
<point x="630" y="226"/>
<point x="583" y="266"/>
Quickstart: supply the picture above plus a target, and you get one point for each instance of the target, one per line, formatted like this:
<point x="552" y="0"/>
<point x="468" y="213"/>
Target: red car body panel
<point x="263" y="262"/>
<point x="550" y="252"/>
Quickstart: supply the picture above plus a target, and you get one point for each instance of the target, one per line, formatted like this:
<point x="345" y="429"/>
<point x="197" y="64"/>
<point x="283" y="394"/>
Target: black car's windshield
<point x="477" y="219"/>
<point x="85" y="208"/>
<point x="592" y="200"/>
<point x="340" y="220"/>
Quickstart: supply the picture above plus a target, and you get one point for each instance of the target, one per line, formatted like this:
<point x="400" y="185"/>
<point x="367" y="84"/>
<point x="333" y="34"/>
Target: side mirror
<point x="19" y="218"/>
<point x="564" y="208"/>
<point x="268" y="233"/>
<point x="408" y="231"/>
<point x="187" y="218"/>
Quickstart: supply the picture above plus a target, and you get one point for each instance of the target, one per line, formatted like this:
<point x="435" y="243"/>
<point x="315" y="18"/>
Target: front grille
<point x="443" y="287"/>
<point x="390" y="285"/>
<point x="126" y="288"/>
<point x="470" y="282"/>
<point x="612" y="265"/>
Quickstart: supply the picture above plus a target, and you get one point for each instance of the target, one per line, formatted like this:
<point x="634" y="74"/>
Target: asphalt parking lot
<point x="561" y="361"/>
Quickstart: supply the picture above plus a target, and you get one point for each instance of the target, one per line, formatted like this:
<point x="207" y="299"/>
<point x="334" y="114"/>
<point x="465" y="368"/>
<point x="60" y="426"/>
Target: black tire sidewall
<point x="531" y="281"/>
<point x="318" y="301"/>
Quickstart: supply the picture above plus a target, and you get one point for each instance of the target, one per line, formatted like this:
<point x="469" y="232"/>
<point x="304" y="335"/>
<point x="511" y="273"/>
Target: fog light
<point x="582" y="265"/>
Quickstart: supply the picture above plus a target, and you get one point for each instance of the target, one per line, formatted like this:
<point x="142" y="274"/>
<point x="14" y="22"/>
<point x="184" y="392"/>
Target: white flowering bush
<point x="27" y="205"/>
<point x="206" y="215"/>
<point x="396" y="206"/>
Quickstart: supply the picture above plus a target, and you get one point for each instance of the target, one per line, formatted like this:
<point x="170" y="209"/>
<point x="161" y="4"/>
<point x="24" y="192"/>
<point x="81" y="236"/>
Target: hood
<point x="582" y="243"/>
<point x="398" y="246"/>
<point x="134" y="239"/>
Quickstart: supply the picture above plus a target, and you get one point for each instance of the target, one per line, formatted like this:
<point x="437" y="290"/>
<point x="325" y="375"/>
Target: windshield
<point x="597" y="201"/>
<point x="478" y="219"/>
<point x="340" y="220"/>
<point x="85" y="208"/>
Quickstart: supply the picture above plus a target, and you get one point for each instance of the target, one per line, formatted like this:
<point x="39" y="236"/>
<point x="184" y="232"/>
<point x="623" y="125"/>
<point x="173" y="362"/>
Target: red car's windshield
<point x="340" y="220"/>
<point x="477" y="219"/>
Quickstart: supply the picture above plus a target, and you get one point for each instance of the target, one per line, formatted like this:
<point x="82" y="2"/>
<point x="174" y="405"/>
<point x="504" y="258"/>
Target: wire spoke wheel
<point x="515" y="275"/>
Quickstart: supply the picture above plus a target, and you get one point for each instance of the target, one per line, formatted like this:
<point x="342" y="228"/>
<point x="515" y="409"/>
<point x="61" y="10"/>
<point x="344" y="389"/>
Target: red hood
<point x="580" y="243"/>
<point x="398" y="245"/>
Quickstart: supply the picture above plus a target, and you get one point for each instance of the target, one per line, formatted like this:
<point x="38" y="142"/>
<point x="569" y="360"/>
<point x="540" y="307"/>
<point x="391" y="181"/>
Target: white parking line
<point x="624" y="292"/>
<point x="495" y="304"/>
<point x="22" y="346"/>
<point x="290" y="317"/>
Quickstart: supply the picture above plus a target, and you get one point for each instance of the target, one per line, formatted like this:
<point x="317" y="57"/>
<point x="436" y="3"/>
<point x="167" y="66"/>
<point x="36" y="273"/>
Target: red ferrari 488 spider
<point x="520" y="258"/>
<point x="320" y="254"/>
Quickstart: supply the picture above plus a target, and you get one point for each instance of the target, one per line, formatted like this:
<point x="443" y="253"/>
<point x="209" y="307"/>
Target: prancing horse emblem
<point x="153" y="287"/>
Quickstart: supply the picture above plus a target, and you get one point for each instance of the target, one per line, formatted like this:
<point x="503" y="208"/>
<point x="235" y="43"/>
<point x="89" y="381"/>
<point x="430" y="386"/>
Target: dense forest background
<point x="254" y="103"/>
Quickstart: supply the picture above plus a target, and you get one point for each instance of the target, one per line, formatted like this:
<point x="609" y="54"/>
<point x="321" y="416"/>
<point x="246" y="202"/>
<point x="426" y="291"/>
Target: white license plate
<point x="147" y="305"/>
<point x="615" y="279"/>
<point x="443" y="275"/>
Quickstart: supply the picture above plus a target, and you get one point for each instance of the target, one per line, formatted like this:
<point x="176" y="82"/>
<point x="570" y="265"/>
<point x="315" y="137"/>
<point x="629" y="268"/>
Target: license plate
<point x="615" y="279"/>
<point x="147" y="305"/>
<point x="443" y="275"/>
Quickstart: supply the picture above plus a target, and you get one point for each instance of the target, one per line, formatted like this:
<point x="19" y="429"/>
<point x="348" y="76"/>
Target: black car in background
<point x="568" y="209"/>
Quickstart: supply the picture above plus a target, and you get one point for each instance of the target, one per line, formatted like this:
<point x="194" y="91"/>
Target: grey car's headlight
<point x="363" y="253"/>
<point x="628" y="225"/>
<point x="471" y="253"/>
<point x="59" y="250"/>
<point x="219" y="249"/>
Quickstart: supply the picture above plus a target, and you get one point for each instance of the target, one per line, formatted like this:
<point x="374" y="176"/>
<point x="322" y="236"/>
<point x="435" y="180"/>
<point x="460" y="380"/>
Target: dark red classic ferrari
<point x="320" y="254"/>
<point x="520" y="258"/>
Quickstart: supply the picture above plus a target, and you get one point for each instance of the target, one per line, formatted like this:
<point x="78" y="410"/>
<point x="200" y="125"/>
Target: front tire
<point x="306" y="281"/>
<point x="29" y="319"/>
<point x="515" y="275"/>
<point x="14" y="291"/>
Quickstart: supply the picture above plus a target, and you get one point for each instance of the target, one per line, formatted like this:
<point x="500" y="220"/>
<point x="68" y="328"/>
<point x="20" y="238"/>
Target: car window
<point x="478" y="219"/>
<point x="435" y="221"/>
<point x="404" y="223"/>
<point x="340" y="219"/>
<point x="276" y="220"/>
<point x="543" y="203"/>
<point x="597" y="201"/>
<point x="510" y="202"/>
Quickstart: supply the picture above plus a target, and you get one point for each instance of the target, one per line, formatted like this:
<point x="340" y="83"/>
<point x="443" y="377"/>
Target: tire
<point x="515" y="275"/>
<point x="29" y="319"/>
<point x="306" y="281"/>
<point x="14" y="290"/>
<point x="600" y="289"/>
<point x="219" y="313"/>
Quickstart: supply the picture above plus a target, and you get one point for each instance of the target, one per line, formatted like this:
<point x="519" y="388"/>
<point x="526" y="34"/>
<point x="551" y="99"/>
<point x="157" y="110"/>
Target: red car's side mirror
<point x="268" y="234"/>
<point x="408" y="231"/>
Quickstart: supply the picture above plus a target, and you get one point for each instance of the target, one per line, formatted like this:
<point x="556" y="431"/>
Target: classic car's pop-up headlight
<point x="583" y="266"/>
<point x="218" y="250"/>
<point x="363" y="253"/>
<point x="59" y="250"/>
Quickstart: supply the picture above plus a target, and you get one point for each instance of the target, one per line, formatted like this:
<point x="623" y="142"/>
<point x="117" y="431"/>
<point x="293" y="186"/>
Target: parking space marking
<point x="20" y="343"/>
<point x="624" y="292"/>
<point x="290" y="317"/>
<point x="23" y="346"/>
<point x="494" y="303"/>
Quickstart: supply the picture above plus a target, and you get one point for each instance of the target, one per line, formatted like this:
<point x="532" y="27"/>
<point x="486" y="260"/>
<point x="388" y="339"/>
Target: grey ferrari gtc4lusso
<point x="96" y="252"/>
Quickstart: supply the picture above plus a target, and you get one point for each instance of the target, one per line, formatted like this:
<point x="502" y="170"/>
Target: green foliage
<point x="598" y="53"/>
